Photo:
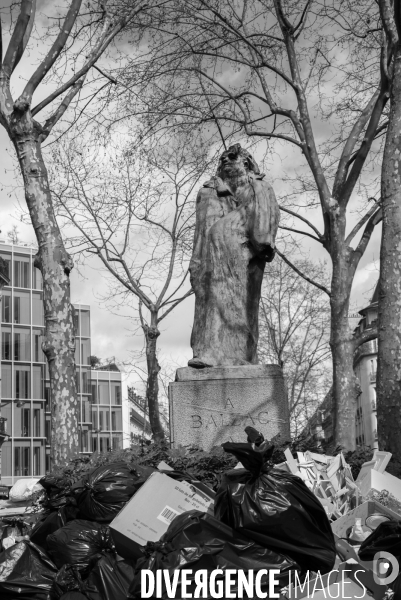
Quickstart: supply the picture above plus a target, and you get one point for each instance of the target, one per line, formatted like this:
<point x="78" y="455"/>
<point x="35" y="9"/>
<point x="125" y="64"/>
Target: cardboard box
<point x="380" y="481"/>
<point x="146" y="517"/>
<point x="362" y="511"/>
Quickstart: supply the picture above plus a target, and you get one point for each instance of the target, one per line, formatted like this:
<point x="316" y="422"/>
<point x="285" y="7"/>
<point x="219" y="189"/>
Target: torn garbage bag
<point x="79" y="543"/>
<point x="26" y="572"/>
<point x="276" y="509"/>
<point x="110" y="578"/>
<point x="195" y="540"/>
<point x="108" y="488"/>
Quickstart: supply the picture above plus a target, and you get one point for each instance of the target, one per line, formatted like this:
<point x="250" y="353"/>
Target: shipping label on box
<point x="146" y="517"/>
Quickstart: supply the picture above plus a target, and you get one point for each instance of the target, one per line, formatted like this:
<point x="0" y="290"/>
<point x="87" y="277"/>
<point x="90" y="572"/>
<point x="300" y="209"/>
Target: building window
<point x="37" y="309"/>
<point x="21" y="308"/>
<point x="116" y="393"/>
<point x="103" y="392"/>
<point x="36" y="462"/>
<point x="86" y="382"/>
<point x="17" y="310"/>
<point x="85" y="325"/>
<point x="6" y="456"/>
<point x="6" y="308"/>
<point x="47" y="431"/>
<point x="104" y="443"/>
<point x="22" y="382"/>
<point x="21" y="274"/>
<point x="25" y="422"/>
<point x="22" y="461"/>
<point x="7" y="268"/>
<point x="116" y="420"/>
<point x="85" y="352"/>
<point x="86" y="407"/>
<point x="84" y="440"/>
<point x="37" y="281"/>
<point x="116" y="442"/>
<point x="94" y="393"/>
<point x="6" y="345"/>
<point x="36" y="423"/>
<point x="6" y="375"/>
<point x="104" y="420"/>
<point x="38" y="355"/>
<point x="22" y="345"/>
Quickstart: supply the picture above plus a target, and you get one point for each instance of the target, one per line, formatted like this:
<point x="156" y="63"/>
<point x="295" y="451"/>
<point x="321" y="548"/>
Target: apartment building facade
<point x="25" y="390"/>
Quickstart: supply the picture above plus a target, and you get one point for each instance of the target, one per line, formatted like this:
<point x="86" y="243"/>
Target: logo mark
<point x="385" y="568"/>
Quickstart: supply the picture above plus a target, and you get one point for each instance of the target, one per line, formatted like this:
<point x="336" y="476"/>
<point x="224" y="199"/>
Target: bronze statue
<point x="237" y="217"/>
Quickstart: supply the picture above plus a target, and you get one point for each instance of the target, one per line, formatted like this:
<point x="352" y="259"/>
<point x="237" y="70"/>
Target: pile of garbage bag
<point x="264" y="518"/>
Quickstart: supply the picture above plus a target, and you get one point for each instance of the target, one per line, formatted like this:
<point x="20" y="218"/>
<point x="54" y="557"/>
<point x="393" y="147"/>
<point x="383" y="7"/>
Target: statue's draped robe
<point x="234" y="236"/>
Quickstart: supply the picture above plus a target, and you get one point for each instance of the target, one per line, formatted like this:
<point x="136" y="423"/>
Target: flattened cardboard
<point x="146" y="517"/>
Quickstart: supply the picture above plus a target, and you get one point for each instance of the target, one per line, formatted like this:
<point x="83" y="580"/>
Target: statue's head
<point x="236" y="161"/>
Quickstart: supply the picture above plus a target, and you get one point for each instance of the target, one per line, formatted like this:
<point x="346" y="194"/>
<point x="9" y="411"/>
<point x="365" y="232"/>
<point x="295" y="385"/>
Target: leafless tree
<point x="389" y="325"/>
<point x="133" y="208"/>
<point x="307" y="76"/>
<point x="76" y="39"/>
<point x="294" y="327"/>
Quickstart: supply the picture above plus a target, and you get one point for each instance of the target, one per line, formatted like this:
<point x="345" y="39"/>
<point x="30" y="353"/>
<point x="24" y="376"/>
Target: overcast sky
<point x="113" y="335"/>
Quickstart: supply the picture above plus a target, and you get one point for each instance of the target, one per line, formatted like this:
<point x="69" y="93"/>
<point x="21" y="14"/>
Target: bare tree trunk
<point x="389" y="328"/>
<point x="55" y="265"/>
<point x="342" y="341"/>
<point x="152" y="384"/>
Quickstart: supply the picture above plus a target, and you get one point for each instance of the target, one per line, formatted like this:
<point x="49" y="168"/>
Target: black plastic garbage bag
<point x="58" y="492"/>
<point x="110" y="578"/>
<point x="195" y="540"/>
<point x="79" y="543"/>
<point x="26" y="572"/>
<point x="75" y="596"/>
<point x="51" y="523"/>
<point x="276" y="509"/>
<point x="108" y="488"/>
<point x="68" y="579"/>
<point x="386" y="537"/>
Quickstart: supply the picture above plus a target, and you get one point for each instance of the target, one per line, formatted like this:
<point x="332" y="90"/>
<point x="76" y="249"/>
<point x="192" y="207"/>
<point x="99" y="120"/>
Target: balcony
<point x="3" y="429"/>
<point x="372" y="377"/>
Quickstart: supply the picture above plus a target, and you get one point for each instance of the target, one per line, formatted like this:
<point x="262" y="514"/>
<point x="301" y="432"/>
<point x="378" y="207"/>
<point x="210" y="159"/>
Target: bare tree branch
<point x="20" y="36"/>
<point x="318" y="285"/>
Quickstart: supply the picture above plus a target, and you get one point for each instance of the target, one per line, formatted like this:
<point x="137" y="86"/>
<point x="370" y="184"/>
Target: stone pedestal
<point x="214" y="405"/>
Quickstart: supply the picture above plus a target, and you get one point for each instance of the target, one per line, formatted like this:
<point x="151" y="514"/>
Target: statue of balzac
<point x="237" y="218"/>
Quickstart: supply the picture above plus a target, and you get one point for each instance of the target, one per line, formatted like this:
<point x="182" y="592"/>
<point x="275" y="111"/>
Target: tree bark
<point x="55" y="265"/>
<point x="152" y="383"/>
<point x="389" y="322"/>
<point x="341" y="339"/>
